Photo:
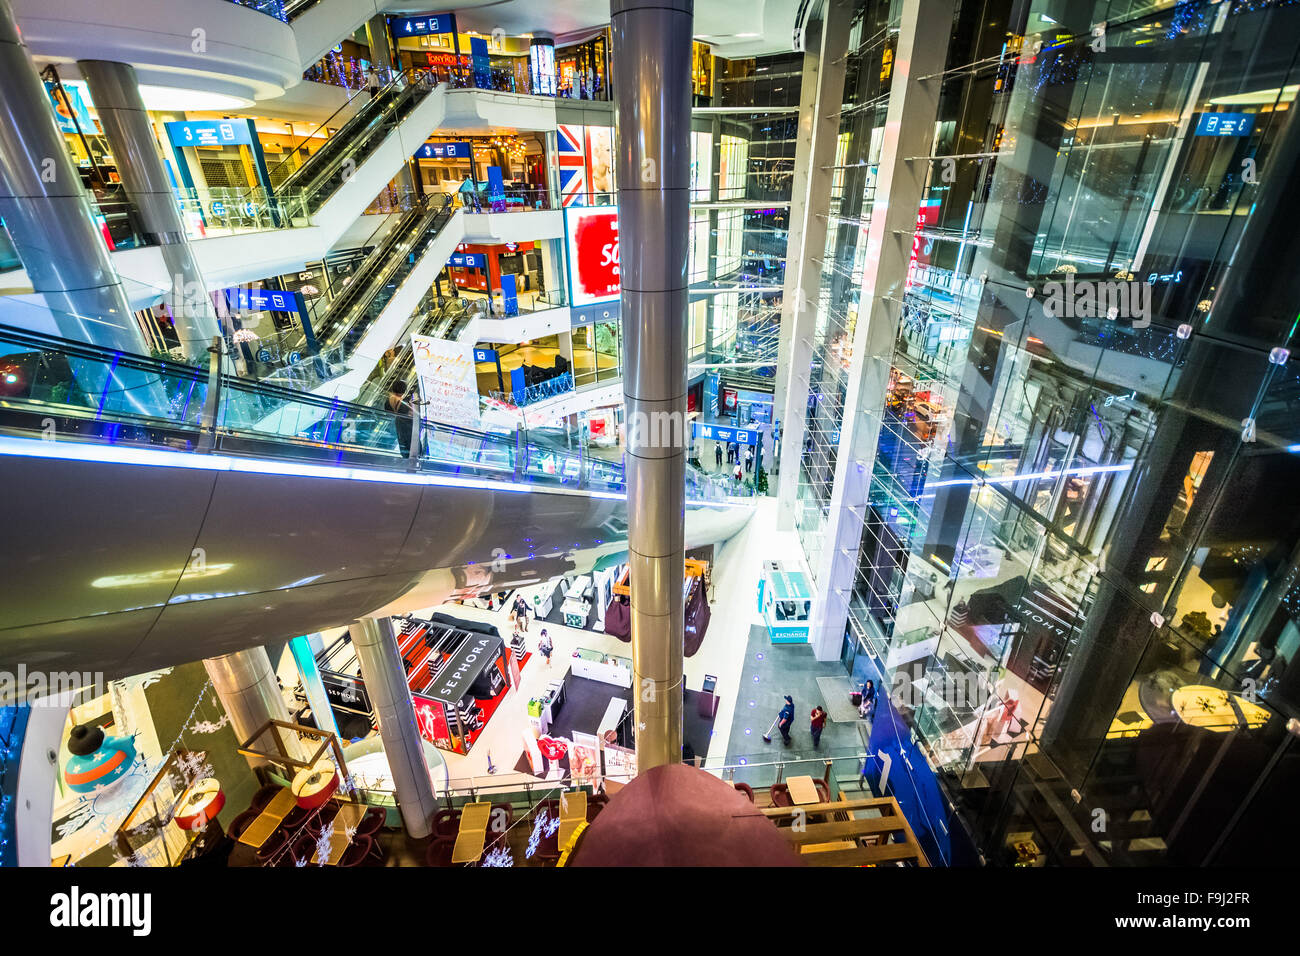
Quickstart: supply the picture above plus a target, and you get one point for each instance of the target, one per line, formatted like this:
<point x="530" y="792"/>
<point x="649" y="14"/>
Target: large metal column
<point x="381" y="668"/>
<point x="49" y="215"/>
<point x="909" y="132"/>
<point x="116" y="94"/>
<point x="651" y="56"/>
<point x="246" y="686"/>
<point x="820" y="97"/>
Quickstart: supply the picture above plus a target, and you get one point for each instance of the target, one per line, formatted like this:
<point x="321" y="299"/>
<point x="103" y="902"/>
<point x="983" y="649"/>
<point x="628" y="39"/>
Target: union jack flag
<point x="575" y="164"/>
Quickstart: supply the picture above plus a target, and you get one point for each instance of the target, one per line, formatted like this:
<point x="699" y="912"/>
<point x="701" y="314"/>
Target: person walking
<point x="785" y="720"/>
<point x="816" y="725"/>
<point x="717" y="455"/>
<point x="546" y="647"/>
<point x="372" y="82"/>
<point x="398" y="405"/>
<point x="749" y="459"/>
<point x="521" y="613"/>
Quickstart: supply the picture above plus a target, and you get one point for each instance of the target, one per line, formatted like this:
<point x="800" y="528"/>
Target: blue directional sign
<point x="485" y="355"/>
<point x="741" y="436"/>
<point x="424" y="25"/>
<point x="262" y="300"/>
<point x="445" y="151"/>
<point x="468" y="260"/>
<point x="210" y="133"/>
<point x="1225" y="124"/>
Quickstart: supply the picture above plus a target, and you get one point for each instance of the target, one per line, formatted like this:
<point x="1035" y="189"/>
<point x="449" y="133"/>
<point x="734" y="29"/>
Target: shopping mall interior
<point x="911" y="491"/>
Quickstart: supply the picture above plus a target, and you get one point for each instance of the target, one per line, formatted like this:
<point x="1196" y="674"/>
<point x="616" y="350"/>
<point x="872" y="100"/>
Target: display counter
<point x="606" y="668"/>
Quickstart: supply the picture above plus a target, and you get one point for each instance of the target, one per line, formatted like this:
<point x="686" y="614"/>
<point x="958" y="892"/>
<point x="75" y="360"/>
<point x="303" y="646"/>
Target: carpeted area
<point x="835" y="698"/>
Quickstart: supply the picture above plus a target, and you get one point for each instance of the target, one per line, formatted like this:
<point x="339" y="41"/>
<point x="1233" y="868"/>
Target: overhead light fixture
<point x="1046" y="19"/>
<point x="171" y="98"/>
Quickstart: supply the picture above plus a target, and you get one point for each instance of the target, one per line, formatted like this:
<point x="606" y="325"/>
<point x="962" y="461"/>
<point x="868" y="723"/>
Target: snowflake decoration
<point x="193" y="765"/>
<point x="500" y="856"/>
<point x="552" y="825"/>
<point x="535" y="838"/>
<point x="323" y="843"/>
<point x="208" y="726"/>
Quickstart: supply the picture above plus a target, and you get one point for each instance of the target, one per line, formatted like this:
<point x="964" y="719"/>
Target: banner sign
<point x="431" y="719"/>
<point x="445" y="151"/>
<point x="485" y="355"/>
<point x="423" y="26"/>
<point x="468" y="260"/>
<point x="70" y="109"/>
<point x="509" y="294"/>
<point x="481" y="62"/>
<point x="496" y="189"/>
<point x="584" y="759"/>
<point x="448" y="384"/>
<point x="210" y="133"/>
<point x="741" y="436"/>
<point x="591" y="239"/>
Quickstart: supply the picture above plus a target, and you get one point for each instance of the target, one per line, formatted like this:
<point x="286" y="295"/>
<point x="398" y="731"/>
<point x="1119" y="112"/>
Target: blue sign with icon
<point x="741" y="436"/>
<point x="1225" y="124"/>
<point x="262" y="300"/>
<point x="423" y="26"/>
<point x="445" y="151"/>
<point x="485" y="355"/>
<point x="468" y="260"/>
<point x="210" y="133"/>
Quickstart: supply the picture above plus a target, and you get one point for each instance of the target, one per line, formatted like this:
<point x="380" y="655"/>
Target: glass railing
<point x="61" y="390"/>
<point x="272" y="8"/>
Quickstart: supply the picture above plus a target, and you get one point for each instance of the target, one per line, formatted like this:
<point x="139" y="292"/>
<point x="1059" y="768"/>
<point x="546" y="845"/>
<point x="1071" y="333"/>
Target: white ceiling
<point x="734" y="28"/>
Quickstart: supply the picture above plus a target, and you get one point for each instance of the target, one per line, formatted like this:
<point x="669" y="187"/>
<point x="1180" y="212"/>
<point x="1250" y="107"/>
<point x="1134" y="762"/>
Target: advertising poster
<point x="586" y="160"/>
<point x="584" y="759"/>
<point x="448" y="385"/>
<point x="431" y="718"/>
<point x="591" y="237"/>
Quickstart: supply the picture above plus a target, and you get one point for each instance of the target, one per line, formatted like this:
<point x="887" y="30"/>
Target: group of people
<point x="519" y="618"/>
<point x="736" y="458"/>
<point x="817" y="719"/>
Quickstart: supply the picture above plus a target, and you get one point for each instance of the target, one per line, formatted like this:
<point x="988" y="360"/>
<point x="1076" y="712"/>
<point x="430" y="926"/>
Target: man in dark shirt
<point x="401" y="409"/>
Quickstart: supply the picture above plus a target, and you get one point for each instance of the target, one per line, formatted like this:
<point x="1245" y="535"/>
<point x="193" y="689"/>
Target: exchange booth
<point x="785" y="600"/>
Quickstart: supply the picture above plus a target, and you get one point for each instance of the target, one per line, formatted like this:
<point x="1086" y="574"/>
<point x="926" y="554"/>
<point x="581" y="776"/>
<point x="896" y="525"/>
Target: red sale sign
<point x="591" y="233"/>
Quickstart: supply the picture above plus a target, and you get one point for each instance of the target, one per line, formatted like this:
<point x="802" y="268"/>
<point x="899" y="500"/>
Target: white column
<point x="820" y="98"/>
<point x="909" y="133"/>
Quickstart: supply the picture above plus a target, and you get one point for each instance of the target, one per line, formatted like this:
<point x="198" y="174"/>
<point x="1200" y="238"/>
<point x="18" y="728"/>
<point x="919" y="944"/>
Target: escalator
<point x="440" y="319"/>
<point x="161" y="521"/>
<point x="331" y="166"/>
<point x="341" y="330"/>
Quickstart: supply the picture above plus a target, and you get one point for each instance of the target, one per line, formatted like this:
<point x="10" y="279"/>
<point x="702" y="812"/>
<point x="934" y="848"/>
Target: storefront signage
<point x="591" y="237"/>
<point x="1225" y="124"/>
<point x="448" y="382"/>
<point x="468" y="260"/>
<point x="446" y="59"/>
<point x="210" y="133"/>
<point x="423" y="26"/>
<point x="445" y="151"/>
<point x="741" y="436"/>
<point x="345" y="693"/>
<point x="475" y="654"/>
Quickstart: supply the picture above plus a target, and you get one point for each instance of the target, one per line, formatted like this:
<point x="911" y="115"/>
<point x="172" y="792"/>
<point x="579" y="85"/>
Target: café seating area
<point x="475" y="833"/>
<point x="277" y="831"/>
<point x="837" y="829"/>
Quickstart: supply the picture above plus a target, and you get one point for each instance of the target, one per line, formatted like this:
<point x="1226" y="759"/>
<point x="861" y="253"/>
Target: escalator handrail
<point x="433" y="224"/>
<point x="354" y="130"/>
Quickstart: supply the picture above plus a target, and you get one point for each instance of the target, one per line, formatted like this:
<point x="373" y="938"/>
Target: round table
<point x="315" y="784"/>
<point x="1201" y="705"/>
